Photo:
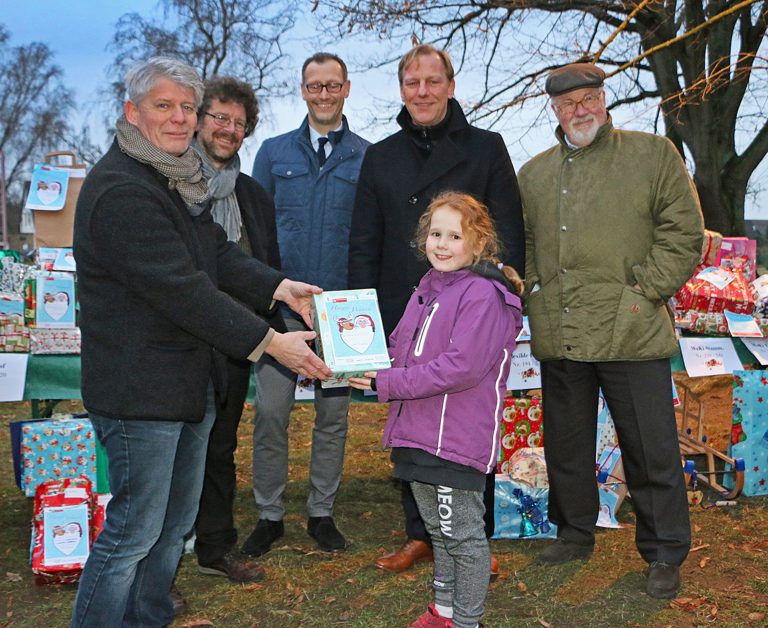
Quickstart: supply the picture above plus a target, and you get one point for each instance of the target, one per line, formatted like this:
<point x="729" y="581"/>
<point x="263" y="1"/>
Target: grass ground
<point x="725" y="577"/>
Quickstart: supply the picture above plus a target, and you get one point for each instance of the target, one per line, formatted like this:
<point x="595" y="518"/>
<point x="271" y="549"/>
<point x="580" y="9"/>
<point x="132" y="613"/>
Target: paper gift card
<point x="66" y="535"/>
<point x="48" y="189"/>
<point x="524" y="369"/>
<point x="55" y="302"/>
<point x="709" y="356"/>
<point x="350" y="334"/>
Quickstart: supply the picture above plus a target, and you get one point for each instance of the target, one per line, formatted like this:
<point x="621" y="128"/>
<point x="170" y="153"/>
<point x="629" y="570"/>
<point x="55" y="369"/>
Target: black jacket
<point x="152" y="278"/>
<point x="399" y="178"/>
<point x="257" y="210"/>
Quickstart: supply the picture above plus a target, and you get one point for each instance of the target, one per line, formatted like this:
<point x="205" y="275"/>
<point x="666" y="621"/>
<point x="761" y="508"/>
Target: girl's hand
<point x="363" y="383"/>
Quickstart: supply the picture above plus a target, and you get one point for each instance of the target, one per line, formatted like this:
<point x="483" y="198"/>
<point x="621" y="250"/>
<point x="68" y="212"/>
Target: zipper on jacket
<point x="424" y="330"/>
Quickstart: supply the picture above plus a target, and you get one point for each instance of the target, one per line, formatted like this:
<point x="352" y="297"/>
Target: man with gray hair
<point x="613" y="228"/>
<point x="155" y="278"/>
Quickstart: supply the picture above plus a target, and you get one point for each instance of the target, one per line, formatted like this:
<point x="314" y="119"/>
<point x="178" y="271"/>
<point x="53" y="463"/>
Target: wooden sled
<point x="690" y="425"/>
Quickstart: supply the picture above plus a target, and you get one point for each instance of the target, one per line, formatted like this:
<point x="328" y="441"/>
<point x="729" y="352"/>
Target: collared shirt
<point x="315" y="135"/>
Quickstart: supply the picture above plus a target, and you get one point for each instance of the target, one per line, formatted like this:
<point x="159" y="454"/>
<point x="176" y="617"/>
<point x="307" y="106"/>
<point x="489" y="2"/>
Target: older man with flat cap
<point x="613" y="228"/>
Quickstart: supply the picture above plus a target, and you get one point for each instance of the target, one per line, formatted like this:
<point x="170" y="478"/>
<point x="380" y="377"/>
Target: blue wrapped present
<point x="520" y="511"/>
<point x="51" y="449"/>
<point x="749" y="431"/>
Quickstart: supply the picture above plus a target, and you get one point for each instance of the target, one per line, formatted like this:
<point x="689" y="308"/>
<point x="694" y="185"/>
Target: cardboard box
<point x="350" y="334"/>
<point x="55" y="228"/>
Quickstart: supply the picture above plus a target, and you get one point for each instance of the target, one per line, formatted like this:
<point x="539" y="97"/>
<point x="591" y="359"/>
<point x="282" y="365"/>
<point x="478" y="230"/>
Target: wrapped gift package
<point x="350" y="334"/>
<point x="703" y="296"/>
<point x="100" y="501"/>
<point x="50" y="300"/>
<point x="749" y="430"/>
<point x="55" y="448"/>
<point x="702" y="323"/>
<point x="11" y="304"/>
<point x="521" y="426"/>
<point x="52" y="340"/>
<point x="710" y="248"/>
<point x="739" y="255"/>
<point x="55" y="228"/>
<point x="761" y="290"/>
<point x="521" y="511"/>
<point x="61" y="530"/>
<point x="529" y="467"/>
<point x="612" y="486"/>
<point x="14" y="334"/>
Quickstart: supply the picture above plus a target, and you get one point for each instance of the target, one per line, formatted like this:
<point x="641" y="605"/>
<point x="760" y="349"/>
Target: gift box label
<point x="350" y="334"/>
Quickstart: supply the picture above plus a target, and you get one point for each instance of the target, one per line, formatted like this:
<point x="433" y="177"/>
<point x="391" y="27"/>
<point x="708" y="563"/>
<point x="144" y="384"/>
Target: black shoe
<point x="237" y="568"/>
<point x="327" y="535"/>
<point x="264" y="534"/>
<point x="562" y="551"/>
<point x="663" y="580"/>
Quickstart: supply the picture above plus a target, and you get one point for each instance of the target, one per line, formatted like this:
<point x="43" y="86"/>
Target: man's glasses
<point x="567" y="107"/>
<point x="316" y="88"/>
<point x="223" y="120"/>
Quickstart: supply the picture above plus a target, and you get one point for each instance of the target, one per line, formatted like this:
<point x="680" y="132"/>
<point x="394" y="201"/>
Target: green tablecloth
<point x="58" y="377"/>
<point x="53" y="377"/>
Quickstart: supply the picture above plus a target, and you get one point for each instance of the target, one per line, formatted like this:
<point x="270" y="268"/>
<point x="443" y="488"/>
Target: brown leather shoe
<point x="411" y="552"/>
<point x="495" y="569"/>
<point x="236" y="567"/>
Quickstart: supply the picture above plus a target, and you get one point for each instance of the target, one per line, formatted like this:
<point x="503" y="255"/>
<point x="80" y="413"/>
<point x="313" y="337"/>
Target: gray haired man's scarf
<point x="221" y="184"/>
<point x="184" y="173"/>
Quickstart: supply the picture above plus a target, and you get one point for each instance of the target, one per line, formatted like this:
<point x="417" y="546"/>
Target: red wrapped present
<point x="521" y="426"/>
<point x="701" y="295"/>
<point x="710" y="248"/>
<point x="61" y="528"/>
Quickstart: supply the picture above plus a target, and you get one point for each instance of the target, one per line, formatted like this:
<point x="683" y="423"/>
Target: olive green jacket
<point x="612" y="230"/>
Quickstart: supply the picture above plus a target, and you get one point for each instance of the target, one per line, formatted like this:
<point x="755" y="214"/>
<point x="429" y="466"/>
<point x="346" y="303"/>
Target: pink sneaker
<point x="431" y="619"/>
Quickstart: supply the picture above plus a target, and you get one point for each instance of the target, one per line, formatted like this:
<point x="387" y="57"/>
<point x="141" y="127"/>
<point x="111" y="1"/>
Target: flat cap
<point x="573" y="76"/>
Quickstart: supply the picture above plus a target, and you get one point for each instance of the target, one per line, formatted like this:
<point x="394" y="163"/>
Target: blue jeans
<point x="156" y="476"/>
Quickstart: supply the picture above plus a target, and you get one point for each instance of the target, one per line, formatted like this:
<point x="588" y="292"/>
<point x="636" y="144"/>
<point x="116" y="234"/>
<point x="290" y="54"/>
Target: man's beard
<point x="583" y="136"/>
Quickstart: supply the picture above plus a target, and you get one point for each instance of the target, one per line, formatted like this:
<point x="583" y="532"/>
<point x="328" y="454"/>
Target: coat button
<point x="566" y="310"/>
<point x="568" y="347"/>
<point x="634" y="308"/>
<point x="289" y="172"/>
<point x="412" y="244"/>
<point x="563" y="228"/>
<point x="413" y="200"/>
<point x="563" y="270"/>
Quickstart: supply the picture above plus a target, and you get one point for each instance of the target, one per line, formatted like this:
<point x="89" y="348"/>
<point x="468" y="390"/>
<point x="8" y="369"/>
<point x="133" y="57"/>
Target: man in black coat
<point x="155" y="275"/>
<point x="245" y="210"/>
<point x="435" y="150"/>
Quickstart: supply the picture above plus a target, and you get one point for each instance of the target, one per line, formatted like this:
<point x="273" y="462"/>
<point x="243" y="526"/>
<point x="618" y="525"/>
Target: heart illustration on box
<point x="56" y="305"/>
<point x="67" y="537"/>
<point x="357" y="333"/>
<point x="47" y="192"/>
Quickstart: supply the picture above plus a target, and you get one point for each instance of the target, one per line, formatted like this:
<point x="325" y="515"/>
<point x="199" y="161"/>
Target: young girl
<point x="451" y="353"/>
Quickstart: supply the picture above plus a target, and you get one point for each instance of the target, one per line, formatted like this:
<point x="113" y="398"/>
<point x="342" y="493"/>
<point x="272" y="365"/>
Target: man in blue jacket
<point x="312" y="173"/>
